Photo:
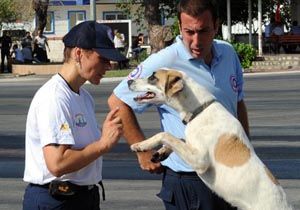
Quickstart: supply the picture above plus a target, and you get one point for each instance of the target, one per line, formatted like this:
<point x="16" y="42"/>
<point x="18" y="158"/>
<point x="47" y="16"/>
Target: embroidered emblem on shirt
<point x="80" y="121"/>
<point x="135" y="73"/>
<point x="64" y="127"/>
<point x="233" y="83"/>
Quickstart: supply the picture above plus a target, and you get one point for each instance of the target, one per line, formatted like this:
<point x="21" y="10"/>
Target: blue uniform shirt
<point x="224" y="78"/>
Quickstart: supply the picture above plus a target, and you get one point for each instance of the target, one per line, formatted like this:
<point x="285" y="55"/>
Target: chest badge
<point x="80" y="121"/>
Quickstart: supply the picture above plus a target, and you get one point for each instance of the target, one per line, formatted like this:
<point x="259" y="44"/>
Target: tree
<point x="40" y="7"/>
<point x="159" y="35"/>
<point x="12" y="11"/>
<point x="152" y="11"/>
<point x="7" y="12"/>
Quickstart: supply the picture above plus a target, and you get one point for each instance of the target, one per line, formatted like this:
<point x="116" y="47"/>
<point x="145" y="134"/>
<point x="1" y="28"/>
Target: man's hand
<point x="146" y="164"/>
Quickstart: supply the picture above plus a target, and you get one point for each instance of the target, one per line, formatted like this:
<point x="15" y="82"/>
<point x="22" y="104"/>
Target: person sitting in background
<point x="16" y="55"/>
<point x="278" y="31"/>
<point x="295" y="28"/>
<point x="136" y="45"/>
<point x="27" y="54"/>
<point x="269" y="28"/>
<point x="267" y="36"/>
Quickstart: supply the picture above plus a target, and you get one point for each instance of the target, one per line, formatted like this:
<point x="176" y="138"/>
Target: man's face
<point x="198" y="34"/>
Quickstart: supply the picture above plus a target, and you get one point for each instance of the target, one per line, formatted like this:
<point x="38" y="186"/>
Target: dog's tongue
<point x="147" y="95"/>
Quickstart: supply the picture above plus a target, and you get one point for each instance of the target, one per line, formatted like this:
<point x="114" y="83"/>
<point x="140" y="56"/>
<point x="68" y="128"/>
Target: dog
<point x="216" y="145"/>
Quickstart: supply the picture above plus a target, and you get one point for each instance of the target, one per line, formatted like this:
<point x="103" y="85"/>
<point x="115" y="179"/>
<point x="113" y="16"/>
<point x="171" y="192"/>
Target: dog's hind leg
<point x="197" y="159"/>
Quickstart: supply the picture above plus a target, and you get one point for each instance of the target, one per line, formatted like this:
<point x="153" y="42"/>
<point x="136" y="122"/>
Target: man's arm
<point x="133" y="133"/>
<point x="242" y="116"/>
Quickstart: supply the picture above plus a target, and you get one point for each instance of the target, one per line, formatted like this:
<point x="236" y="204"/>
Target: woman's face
<point x="93" y="66"/>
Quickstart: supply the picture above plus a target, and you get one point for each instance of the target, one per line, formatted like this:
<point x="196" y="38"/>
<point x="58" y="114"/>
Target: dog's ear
<point x="174" y="84"/>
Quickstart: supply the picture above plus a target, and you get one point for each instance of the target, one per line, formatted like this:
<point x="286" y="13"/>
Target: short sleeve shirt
<point x="223" y="78"/>
<point x="57" y="115"/>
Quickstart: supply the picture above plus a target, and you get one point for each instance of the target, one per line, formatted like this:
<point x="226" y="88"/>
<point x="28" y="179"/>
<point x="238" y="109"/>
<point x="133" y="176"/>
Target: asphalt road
<point x="273" y="102"/>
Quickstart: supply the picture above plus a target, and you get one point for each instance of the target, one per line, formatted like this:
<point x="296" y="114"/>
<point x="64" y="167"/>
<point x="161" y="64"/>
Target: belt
<point x="77" y="187"/>
<point x="180" y="174"/>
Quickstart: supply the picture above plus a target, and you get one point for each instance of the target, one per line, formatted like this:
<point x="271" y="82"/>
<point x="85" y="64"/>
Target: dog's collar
<point x="190" y="116"/>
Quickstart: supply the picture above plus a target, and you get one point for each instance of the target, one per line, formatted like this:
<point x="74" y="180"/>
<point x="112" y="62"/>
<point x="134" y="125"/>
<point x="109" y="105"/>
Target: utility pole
<point x="92" y="9"/>
<point x="259" y="18"/>
<point x="250" y="20"/>
<point x="229" y="20"/>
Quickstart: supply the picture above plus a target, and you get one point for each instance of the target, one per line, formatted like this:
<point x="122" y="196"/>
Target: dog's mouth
<point x="146" y="96"/>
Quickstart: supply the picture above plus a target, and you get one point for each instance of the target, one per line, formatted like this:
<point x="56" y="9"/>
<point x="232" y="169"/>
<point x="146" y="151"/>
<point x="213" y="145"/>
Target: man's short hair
<point x="195" y="8"/>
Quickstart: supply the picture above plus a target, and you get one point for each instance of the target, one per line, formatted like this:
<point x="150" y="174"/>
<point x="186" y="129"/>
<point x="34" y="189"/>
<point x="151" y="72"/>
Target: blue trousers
<point x="186" y="191"/>
<point x="37" y="198"/>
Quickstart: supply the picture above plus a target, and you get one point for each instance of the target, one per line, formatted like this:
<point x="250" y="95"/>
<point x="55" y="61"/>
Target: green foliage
<point x="246" y="53"/>
<point x="175" y="27"/>
<point x="13" y="10"/>
<point x="135" y="10"/>
<point x="7" y="12"/>
<point x="239" y="10"/>
<point x="117" y="73"/>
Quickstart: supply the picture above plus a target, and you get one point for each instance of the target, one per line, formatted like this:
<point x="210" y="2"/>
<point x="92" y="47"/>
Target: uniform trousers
<point x="38" y="197"/>
<point x="186" y="191"/>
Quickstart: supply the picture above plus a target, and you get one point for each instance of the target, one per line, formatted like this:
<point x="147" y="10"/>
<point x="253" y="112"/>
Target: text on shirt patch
<point x="233" y="83"/>
<point x="80" y="121"/>
<point x="135" y="73"/>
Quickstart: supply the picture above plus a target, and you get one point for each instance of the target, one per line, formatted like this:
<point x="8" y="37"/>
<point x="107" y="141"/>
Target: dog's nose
<point x="129" y="82"/>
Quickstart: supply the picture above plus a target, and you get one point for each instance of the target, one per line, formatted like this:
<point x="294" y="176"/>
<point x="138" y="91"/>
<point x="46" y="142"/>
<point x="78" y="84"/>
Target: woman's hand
<point x="111" y="131"/>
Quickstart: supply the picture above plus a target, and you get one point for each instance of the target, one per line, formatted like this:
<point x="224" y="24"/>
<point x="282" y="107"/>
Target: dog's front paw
<point x="157" y="157"/>
<point x="136" y="148"/>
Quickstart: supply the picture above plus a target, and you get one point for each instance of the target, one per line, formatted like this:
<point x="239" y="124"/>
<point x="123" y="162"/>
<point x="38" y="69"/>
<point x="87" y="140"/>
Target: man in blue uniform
<point x="212" y="63"/>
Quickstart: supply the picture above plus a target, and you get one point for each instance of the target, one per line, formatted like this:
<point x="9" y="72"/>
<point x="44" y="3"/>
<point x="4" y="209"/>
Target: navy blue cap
<point x="93" y="35"/>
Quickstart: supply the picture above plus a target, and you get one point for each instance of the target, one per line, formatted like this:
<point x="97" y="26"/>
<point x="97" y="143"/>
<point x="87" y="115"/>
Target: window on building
<point x="50" y="23"/>
<point x="76" y="17"/>
<point x="114" y="16"/>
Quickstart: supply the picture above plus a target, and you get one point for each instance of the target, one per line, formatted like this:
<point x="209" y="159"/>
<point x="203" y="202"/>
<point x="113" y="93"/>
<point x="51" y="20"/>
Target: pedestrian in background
<point x="64" y="143"/>
<point x="6" y="43"/>
<point x="40" y="43"/>
<point x="119" y="41"/>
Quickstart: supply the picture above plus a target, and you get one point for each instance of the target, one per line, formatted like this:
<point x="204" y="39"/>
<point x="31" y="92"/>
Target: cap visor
<point x="111" y="54"/>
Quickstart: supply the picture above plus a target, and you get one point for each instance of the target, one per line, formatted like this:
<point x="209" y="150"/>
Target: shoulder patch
<point x="64" y="127"/>
<point x="233" y="83"/>
<point x="136" y="73"/>
<point x="231" y="151"/>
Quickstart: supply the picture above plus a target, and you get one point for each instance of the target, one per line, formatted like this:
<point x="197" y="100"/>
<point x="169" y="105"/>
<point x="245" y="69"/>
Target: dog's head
<point x="159" y="87"/>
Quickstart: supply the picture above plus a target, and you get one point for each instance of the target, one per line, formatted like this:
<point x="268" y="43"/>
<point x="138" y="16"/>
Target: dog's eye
<point x="152" y="78"/>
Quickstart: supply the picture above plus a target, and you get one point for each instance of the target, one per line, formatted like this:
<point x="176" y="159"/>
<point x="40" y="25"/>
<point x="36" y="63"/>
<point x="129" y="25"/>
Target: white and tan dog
<point x="216" y="146"/>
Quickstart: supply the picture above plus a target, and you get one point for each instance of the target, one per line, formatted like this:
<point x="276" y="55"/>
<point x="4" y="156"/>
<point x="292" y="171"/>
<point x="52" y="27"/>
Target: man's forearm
<point x="242" y="116"/>
<point x="131" y="129"/>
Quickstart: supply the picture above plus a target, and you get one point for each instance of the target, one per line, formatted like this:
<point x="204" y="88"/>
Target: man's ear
<point x="174" y="84"/>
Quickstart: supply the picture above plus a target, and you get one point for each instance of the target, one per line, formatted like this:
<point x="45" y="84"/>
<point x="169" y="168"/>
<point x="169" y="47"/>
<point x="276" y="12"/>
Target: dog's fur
<point x="216" y="146"/>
